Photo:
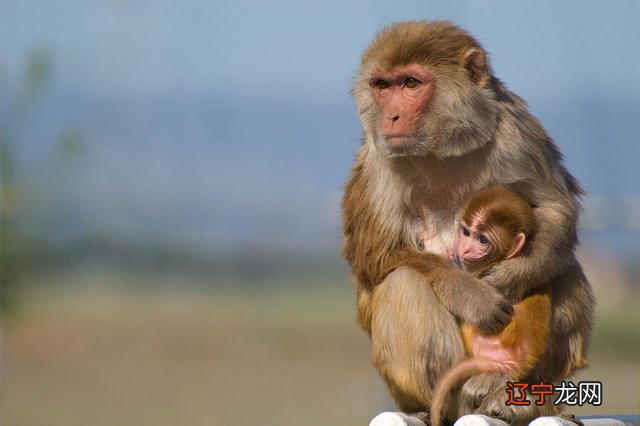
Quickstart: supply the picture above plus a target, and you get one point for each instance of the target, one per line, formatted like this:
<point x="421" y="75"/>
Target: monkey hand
<point x="491" y="313"/>
<point x="512" y="278"/>
<point x="465" y="296"/>
<point x="480" y="304"/>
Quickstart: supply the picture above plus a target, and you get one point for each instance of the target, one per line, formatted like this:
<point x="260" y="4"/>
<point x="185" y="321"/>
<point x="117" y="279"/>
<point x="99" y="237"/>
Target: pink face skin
<point x="402" y="95"/>
<point x="472" y="246"/>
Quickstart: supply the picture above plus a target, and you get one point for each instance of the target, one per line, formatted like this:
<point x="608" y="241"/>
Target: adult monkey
<point x="438" y="128"/>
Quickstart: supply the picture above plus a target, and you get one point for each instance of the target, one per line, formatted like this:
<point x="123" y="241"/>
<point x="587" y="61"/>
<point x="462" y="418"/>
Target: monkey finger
<point x="497" y="315"/>
<point x="507" y="308"/>
<point x="498" y="319"/>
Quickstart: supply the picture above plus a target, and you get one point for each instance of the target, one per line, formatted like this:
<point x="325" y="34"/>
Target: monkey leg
<point x="477" y="388"/>
<point x="570" y="328"/>
<point x="565" y="352"/>
<point x="487" y="394"/>
<point x="414" y="339"/>
<point x="494" y="405"/>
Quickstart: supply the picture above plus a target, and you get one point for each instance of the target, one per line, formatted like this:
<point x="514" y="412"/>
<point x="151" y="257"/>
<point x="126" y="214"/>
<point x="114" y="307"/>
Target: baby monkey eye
<point x="411" y="83"/>
<point x="483" y="240"/>
<point x="465" y="232"/>
<point x="380" y="84"/>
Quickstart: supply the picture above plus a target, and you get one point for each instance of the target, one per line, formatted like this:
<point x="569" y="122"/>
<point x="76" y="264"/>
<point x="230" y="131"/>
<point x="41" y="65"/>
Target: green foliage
<point x="616" y="333"/>
<point x="72" y="143"/>
<point x="38" y="70"/>
<point x="9" y="241"/>
<point x="17" y="104"/>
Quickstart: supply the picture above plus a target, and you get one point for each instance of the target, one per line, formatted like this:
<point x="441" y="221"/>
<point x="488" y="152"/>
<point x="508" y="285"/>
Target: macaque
<point x="439" y="127"/>
<point x="494" y="227"/>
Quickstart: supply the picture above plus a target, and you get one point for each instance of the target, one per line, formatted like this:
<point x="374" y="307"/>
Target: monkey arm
<point x="531" y="165"/>
<point x="549" y="253"/>
<point x="463" y="295"/>
<point x="373" y="249"/>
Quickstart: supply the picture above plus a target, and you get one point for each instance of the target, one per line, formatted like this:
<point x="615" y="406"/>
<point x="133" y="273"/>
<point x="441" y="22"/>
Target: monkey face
<point x="474" y="247"/>
<point x="402" y="97"/>
<point x="419" y="95"/>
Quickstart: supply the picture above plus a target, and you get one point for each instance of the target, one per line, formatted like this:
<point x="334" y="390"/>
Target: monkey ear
<point x="518" y="243"/>
<point x="475" y="62"/>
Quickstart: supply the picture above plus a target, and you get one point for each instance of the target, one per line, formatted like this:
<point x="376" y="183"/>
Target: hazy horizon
<point x="214" y="123"/>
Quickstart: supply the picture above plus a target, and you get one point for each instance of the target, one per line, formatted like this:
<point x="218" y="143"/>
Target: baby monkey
<point x="495" y="226"/>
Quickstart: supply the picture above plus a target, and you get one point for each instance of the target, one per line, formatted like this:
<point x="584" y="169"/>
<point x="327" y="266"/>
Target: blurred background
<point x="171" y="181"/>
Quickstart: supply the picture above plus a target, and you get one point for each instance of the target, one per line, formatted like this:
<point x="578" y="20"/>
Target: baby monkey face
<point x="473" y="245"/>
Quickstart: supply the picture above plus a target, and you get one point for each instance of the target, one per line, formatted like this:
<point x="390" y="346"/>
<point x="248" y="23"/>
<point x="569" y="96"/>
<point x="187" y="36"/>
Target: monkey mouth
<point x="399" y="139"/>
<point x="408" y="144"/>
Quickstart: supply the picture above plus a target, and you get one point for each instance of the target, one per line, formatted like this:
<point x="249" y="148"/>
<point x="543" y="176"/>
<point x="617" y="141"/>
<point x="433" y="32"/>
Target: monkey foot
<point x="479" y="420"/>
<point x="395" y="419"/>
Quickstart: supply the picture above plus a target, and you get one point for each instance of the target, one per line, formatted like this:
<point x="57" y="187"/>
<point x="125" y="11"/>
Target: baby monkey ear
<point x="475" y="62"/>
<point x="518" y="243"/>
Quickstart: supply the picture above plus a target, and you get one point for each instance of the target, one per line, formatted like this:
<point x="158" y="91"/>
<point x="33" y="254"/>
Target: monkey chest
<point x="435" y="234"/>
<point x="433" y="215"/>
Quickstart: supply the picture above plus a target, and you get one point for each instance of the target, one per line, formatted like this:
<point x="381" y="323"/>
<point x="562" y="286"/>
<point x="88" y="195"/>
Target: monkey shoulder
<point x="539" y="178"/>
<point x="524" y="152"/>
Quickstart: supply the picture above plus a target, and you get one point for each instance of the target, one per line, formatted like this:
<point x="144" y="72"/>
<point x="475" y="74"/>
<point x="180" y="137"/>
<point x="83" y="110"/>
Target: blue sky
<point x="232" y="120"/>
<point x="304" y="48"/>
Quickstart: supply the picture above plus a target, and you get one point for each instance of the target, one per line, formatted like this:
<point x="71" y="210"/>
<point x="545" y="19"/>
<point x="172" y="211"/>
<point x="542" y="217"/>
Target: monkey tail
<point x="458" y="373"/>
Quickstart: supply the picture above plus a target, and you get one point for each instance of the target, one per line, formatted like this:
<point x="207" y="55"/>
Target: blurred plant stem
<point x="15" y="108"/>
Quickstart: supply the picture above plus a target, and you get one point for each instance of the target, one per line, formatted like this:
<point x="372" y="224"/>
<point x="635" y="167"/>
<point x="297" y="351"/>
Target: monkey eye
<point x="411" y="83"/>
<point x="465" y="232"/>
<point x="379" y="83"/>
<point x="483" y="240"/>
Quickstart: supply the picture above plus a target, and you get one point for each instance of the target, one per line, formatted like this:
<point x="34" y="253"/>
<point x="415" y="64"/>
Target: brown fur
<point x="475" y="134"/>
<point x="503" y="214"/>
<point x="503" y="209"/>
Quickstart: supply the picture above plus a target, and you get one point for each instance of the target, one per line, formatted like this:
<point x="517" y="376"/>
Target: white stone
<point x="551" y="421"/>
<point x="395" y="419"/>
<point x="479" y="420"/>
